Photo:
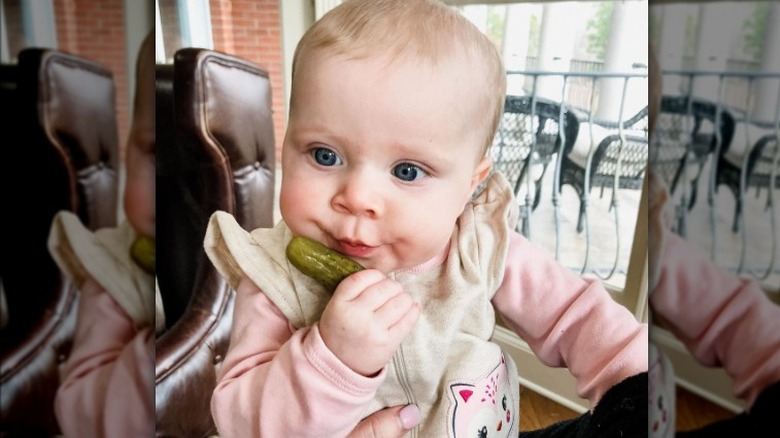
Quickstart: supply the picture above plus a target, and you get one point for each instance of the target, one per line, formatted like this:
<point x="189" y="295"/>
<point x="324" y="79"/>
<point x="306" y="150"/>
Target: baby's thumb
<point x="391" y="422"/>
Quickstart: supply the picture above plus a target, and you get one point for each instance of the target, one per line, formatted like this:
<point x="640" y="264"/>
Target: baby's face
<point x="379" y="160"/>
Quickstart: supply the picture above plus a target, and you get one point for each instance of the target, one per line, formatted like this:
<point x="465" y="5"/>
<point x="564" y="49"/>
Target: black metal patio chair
<point x="616" y="162"/>
<point x="528" y="136"/>
<point x="753" y="170"/>
<point x="689" y="130"/>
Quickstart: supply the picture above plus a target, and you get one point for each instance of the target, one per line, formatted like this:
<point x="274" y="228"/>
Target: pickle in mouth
<point x="328" y="267"/>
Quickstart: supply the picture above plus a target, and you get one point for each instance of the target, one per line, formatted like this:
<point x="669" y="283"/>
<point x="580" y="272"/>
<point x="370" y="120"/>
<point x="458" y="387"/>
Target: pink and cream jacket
<point x="280" y="379"/>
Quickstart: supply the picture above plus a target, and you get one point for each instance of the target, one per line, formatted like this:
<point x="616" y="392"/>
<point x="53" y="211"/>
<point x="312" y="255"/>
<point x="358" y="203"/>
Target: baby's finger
<point x="355" y="284"/>
<point x="395" y="309"/>
<point x="376" y="295"/>
<point x="405" y="323"/>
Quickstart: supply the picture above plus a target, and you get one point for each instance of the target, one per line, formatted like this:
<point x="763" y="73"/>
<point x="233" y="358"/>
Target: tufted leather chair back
<point x="219" y="156"/>
<point x="64" y="113"/>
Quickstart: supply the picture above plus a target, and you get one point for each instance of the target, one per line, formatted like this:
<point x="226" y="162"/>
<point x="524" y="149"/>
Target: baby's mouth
<point x="354" y="248"/>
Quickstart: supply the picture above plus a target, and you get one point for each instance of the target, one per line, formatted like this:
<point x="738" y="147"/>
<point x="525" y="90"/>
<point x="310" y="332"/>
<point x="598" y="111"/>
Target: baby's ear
<point x="481" y="172"/>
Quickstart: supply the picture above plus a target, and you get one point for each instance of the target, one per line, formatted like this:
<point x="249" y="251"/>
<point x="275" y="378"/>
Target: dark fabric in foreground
<point x="622" y="412"/>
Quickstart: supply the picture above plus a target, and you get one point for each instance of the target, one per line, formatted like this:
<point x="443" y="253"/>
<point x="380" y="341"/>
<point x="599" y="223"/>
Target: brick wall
<point x="251" y="29"/>
<point x="95" y="29"/>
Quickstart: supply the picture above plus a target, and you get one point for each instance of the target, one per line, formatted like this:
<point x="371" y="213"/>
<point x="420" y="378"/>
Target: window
<point x="583" y="63"/>
<point x="25" y="24"/>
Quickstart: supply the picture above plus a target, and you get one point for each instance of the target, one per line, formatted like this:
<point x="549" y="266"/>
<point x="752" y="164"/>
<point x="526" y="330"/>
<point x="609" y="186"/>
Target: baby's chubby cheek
<point x="139" y="210"/>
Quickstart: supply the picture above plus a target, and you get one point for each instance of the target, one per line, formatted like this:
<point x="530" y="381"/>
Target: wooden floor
<point x="694" y="412"/>
<point x="537" y="411"/>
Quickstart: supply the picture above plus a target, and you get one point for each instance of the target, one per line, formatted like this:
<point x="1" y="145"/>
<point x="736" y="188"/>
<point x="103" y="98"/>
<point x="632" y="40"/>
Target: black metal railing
<point x="586" y="152"/>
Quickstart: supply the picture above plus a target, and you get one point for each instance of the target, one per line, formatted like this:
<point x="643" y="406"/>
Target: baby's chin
<point x="387" y="268"/>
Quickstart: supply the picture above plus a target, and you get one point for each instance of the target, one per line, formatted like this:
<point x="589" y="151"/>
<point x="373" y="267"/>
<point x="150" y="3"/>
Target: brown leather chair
<point x="216" y="153"/>
<point x="64" y="116"/>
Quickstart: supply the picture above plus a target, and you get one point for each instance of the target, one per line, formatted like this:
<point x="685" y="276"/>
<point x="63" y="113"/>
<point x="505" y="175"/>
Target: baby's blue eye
<point x="326" y="157"/>
<point x="408" y="172"/>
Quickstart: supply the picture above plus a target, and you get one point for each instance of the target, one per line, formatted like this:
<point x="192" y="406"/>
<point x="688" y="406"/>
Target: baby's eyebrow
<point x="314" y="133"/>
<point x="413" y="147"/>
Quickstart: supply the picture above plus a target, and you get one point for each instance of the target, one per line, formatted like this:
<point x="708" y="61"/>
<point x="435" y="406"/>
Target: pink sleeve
<point x="108" y="384"/>
<point x="568" y="321"/>
<point x="722" y="319"/>
<point x="279" y="382"/>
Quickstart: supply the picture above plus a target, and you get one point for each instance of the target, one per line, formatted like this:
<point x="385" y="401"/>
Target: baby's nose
<point x="359" y="197"/>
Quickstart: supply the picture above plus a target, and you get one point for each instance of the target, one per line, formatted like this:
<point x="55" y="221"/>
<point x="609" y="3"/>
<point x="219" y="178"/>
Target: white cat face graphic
<point x="485" y="408"/>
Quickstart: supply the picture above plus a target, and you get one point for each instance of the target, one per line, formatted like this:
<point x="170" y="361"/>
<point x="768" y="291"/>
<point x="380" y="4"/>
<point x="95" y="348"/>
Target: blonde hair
<point x="426" y="29"/>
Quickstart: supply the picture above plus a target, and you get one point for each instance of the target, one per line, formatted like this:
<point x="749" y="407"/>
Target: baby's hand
<point x="366" y="320"/>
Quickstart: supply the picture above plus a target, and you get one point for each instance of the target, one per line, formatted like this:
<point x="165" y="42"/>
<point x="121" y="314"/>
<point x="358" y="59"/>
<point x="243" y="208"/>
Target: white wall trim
<point x="40" y="27"/>
<point x="195" y="23"/>
<point x="296" y="17"/>
<point x="5" y="52"/>
<point x="321" y="7"/>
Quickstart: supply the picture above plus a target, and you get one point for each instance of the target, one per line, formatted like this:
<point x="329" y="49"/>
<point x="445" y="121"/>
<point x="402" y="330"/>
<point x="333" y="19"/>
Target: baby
<point x="393" y="107"/>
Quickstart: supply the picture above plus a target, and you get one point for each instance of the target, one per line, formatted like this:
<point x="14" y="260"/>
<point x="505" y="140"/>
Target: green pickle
<point x="142" y="253"/>
<point x="326" y="266"/>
